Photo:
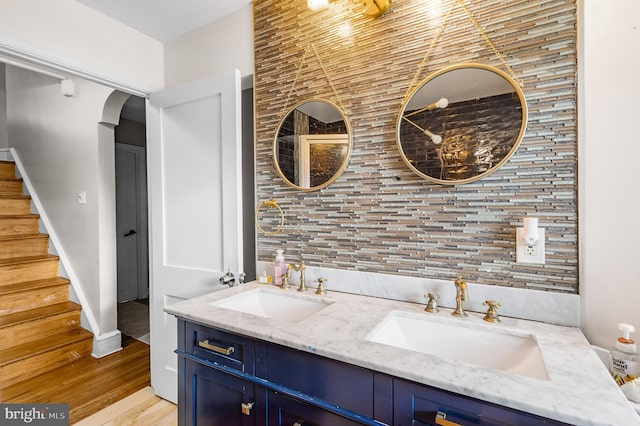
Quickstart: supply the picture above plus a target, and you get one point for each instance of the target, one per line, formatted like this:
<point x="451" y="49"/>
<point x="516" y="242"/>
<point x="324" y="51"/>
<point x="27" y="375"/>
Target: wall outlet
<point x="82" y="197"/>
<point x="529" y="254"/>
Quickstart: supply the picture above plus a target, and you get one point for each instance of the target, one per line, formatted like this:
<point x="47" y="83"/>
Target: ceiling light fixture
<point x="375" y="8"/>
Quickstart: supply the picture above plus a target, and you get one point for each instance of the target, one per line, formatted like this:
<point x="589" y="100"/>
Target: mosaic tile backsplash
<point x="381" y="217"/>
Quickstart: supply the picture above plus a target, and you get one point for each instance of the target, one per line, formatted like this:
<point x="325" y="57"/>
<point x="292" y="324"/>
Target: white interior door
<point x="131" y="222"/>
<point x="194" y="151"/>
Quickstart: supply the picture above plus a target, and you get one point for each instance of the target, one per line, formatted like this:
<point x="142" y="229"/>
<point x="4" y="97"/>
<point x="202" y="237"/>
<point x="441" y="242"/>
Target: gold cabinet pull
<point x="225" y="351"/>
<point x="441" y="419"/>
<point x="246" y="408"/>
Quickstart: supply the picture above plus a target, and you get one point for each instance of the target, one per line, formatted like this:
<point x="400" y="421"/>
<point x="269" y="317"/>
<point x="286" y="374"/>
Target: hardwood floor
<point x="88" y="385"/>
<point x="142" y="408"/>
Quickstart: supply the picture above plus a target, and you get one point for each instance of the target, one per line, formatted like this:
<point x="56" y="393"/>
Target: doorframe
<point x="107" y="342"/>
<point x="142" y="226"/>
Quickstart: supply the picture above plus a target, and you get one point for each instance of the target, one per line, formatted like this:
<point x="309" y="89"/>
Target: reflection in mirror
<point x="461" y="124"/>
<point x="312" y="145"/>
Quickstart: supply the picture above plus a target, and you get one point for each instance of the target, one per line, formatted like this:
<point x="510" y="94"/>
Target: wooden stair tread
<point x="27" y="259"/>
<point x="34" y="314"/>
<point x="32" y="285"/>
<point x="22" y="237"/>
<point x="19" y="216"/>
<point x="46" y="344"/>
<point x="14" y="197"/>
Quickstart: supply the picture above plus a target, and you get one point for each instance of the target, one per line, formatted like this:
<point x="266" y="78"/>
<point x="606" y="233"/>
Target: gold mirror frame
<point x="436" y="103"/>
<point x="347" y="140"/>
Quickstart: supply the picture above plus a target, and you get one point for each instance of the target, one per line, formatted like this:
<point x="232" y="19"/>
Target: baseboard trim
<point x="106" y="344"/>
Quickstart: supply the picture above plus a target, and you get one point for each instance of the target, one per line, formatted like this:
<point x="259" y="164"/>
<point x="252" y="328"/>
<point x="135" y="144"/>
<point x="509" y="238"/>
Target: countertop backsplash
<point x="536" y="305"/>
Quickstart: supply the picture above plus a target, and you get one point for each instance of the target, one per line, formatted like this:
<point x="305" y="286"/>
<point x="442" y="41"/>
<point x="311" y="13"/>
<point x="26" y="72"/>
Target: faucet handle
<point x="285" y="280"/>
<point x="492" y="312"/>
<point x="227" y="279"/>
<point x="432" y="305"/>
<point x="321" y="288"/>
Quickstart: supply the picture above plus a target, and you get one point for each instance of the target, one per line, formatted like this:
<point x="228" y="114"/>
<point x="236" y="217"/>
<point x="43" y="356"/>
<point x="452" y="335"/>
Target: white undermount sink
<point x="517" y="354"/>
<point x="272" y="304"/>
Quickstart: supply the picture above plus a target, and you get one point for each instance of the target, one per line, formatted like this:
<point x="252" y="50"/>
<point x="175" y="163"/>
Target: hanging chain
<point x="324" y="70"/>
<point x="434" y="41"/>
<point x="437" y="36"/>
<point x="335" y="92"/>
<point x="295" y="80"/>
<point x="488" y="40"/>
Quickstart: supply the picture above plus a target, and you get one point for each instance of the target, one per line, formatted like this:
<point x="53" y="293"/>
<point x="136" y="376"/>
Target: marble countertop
<point x="579" y="390"/>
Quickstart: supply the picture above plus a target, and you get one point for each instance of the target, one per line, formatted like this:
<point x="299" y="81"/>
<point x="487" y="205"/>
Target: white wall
<point x="219" y="46"/>
<point x="609" y="112"/>
<point x="57" y="140"/>
<point x="70" y="33"/>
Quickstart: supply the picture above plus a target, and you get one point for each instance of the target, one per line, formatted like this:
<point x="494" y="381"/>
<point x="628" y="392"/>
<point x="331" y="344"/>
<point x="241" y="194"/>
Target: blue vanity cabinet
<point x="347" y="386"/>
<point x="287" y="411"/>
<point x="211" y="396"/>
<point x="233" y="380"/>
<point x="415" y="404"/>
<point x="228" y="379"/>
<point x="214" y="398"/>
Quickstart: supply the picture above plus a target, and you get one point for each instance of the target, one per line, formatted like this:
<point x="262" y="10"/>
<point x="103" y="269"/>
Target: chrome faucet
<point x="298" y="268"/>
<point x="461" y="296"/>
<point x="228" y="279"/>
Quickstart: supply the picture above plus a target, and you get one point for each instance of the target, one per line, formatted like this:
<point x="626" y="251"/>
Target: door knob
<point x="131" y="232"/>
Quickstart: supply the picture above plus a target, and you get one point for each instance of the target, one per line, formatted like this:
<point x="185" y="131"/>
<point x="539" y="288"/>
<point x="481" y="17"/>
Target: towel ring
<point x="270" y="204"/>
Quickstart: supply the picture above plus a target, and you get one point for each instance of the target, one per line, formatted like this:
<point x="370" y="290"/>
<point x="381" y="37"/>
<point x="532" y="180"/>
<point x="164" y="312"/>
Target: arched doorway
<point x="131" y="221"/>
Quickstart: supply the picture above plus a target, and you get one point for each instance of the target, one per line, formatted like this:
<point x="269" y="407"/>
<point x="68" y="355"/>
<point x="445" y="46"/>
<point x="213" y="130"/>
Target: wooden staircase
<point x="39" y="327"/>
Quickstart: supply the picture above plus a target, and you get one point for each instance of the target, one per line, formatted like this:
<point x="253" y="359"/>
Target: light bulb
<point x="436" y="139"/>
<point x="316" y="5"/>
<point x="442" y="103"/>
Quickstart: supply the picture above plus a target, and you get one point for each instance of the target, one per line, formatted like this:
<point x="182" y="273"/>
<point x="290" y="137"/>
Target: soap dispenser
<point x="625" y="363"/>
<point x="280" y="267"/>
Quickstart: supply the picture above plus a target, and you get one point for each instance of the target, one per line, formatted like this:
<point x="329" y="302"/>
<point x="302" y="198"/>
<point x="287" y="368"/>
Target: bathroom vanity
<point x="256" y="354"/>
<point x="229" y="379"/>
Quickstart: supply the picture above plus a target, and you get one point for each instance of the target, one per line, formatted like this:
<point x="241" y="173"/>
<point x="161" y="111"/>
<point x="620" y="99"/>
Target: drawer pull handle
<point x="246" y="408"/>
<point x="441" y="419"/>
<point x="225" y="351"/>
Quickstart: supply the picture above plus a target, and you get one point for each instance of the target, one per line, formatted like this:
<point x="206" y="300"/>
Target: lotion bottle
<point x="280" y="267"/>
<point x="625" y="363"/>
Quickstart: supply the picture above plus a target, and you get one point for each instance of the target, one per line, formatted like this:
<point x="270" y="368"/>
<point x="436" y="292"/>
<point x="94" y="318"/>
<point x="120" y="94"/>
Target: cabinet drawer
<point x="217" y="346"/>
<point x="416" y="404"/>
<point x="285" y="411"/>
<point x="337" y="383"/>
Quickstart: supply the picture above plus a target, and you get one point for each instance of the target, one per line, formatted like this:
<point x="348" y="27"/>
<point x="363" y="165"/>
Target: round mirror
<point x="312" y="145"/>
<point x="461" y="123"/>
